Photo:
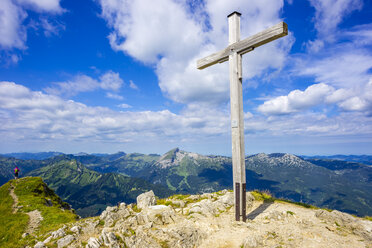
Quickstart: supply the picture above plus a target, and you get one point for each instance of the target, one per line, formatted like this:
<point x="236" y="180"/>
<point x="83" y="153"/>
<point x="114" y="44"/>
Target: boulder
<point x="75" y="229"/>
<point x="227" y="199"/>
<point x="111" y="215"/>
<point x="93" y="243"/>
<point x="359" y="227"/>
<point x="65" y="241"/>
<point x="205" y="207"/>
<point x="40" y="245"/>
<point x="108" y="238"/>
<point x="252" y="242"/>
<point x="159" y="214"/>
<point x="146" y="199"/>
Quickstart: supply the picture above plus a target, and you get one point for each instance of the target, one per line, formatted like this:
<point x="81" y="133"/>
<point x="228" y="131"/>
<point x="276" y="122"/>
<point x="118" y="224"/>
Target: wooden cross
<point x="233" y="53"/>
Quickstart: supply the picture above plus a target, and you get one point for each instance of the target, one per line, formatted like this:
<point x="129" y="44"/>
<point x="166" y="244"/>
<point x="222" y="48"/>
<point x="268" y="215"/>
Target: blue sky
<point x="120" y="75"/>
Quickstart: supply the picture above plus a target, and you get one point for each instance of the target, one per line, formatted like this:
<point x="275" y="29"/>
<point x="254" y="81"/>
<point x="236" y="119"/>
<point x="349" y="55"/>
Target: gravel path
<point x="15" y="199"/>
<point x="35" y="216"/>
<point x="35" y="219"/>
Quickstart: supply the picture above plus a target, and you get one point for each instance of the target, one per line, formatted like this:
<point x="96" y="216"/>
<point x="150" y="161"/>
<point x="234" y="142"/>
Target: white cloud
<point x="42" y="5"/>
<point x="114" y="96"/>
<point x="347" y="99"/>
<point x="185" y="37"/>
<point x="13" y="32"/>
<point x="340" y="68"/>
<point x="328" y="15"/>
<point x="29" y="117"/>
<point x="110" y="81"/>
<point x="124" y="105"/>
<point x="35" y="115"/>
<point x="297" y="100"/>
<point x="133" y="85"/>
<point x="80" y="83"/>
<point x="51" y="28"/>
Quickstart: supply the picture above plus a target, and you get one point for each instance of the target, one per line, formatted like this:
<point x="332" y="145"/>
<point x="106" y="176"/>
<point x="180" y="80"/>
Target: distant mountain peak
<point x="174" y="157"/>
<point x="279" y="159"/>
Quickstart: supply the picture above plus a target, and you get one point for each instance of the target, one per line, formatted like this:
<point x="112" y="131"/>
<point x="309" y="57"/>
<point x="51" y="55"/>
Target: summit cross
<point x="233" y="53"/>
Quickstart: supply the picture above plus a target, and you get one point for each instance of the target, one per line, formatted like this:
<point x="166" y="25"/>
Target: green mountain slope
<point x="32" y="194"/>
<point x="89" y="192"/>
<point x="333" y="184"/>
<point x="7" y="166"/>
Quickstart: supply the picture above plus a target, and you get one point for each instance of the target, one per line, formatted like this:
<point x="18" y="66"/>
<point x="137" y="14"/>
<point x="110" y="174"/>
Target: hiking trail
<point x="35" y="216"/>
<point x="15" y="199"/>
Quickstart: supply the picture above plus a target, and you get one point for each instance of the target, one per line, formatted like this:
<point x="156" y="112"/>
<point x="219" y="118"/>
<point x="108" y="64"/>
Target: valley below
<point x="91" y="182"/>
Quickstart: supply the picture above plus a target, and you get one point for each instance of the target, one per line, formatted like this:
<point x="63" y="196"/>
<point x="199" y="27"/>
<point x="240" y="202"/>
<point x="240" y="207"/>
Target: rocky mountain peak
<point x="279" y="159"/>
<point x="174" y="157"/>
<point x="207" y="220"/>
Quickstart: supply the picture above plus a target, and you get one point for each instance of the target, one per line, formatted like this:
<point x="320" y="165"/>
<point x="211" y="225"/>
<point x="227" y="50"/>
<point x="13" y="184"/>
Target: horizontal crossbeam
<point x="244" y="46"/>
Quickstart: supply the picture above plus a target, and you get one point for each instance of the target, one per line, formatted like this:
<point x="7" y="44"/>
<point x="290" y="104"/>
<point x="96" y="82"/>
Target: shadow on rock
<point x="260" y="209"/>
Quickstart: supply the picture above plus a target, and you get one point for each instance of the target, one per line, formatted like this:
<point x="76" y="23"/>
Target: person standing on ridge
<point x="16" y="172"/>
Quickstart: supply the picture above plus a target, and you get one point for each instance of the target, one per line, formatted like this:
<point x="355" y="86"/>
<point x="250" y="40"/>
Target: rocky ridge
<point x="278" y="159"/>
<point x="207" y="220"/>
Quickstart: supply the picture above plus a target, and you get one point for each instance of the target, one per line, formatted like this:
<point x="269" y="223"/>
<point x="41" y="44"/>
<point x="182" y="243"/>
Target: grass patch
<point x="33" y="194"/>
<point x="164" y="244"/>
<point x="135" y="208"/>
<point x="179" y="197"/>
<point x="368" y="218"/>
<point x="262" y="196"/>
<point x="12" y="226"/>
<point x="267" y="197"/>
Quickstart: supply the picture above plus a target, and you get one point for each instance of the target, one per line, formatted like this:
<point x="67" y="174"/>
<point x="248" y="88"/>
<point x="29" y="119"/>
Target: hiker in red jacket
<point x="16" y="171"/>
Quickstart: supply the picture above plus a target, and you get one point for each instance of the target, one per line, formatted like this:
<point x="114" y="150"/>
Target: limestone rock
<point x="40" y="245"/>
<point x="75" y="229"/>
<point x="65" y="241"/>
<point x="209" y="222"/>
<point x="206" y="207"/>
<point x="159" y="214"/>
<point x="59" y="233"/>
<point x="146" y="199"/>
<point x="108" y="238"/>
<point x="93" y="243"/>
<point x="110" y="216"/>
<point x="252" y="242"/>
<point x="359" y="227"/>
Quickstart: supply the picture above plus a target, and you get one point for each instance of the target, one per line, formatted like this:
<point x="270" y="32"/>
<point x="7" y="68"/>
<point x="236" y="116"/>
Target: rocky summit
<point x="207" y="220"/>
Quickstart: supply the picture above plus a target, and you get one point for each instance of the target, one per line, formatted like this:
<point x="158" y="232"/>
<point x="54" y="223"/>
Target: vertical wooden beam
<point x="237" y="120"/>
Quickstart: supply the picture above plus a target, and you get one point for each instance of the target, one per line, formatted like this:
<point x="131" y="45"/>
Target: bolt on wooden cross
<point x="233" y="53"/>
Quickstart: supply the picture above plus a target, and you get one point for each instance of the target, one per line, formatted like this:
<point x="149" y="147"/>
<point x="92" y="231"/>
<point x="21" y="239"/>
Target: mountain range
<point x="89" y="182"/>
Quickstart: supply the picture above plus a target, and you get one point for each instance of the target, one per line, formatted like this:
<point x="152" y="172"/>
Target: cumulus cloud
<point x="12" y="34"/>
<point x="124" y="106"/>
<point x="110" y="81"/>
<point x="328" y="15"/>
<point x="51" y="28"/>
<point x="347" y="99"/>
<point x="191" y="35"/>
<point x="41" y="5"/>
<point x="133" y="85"/>
<point x="40" y="116"/>
<point x="297" y="100"/>
<point x="114" y="96"/>
<point x="341" y="68"/>
<point x="13" y="13"/>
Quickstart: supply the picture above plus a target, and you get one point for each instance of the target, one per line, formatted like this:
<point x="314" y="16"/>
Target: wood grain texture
<point x="246" y="45"/>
